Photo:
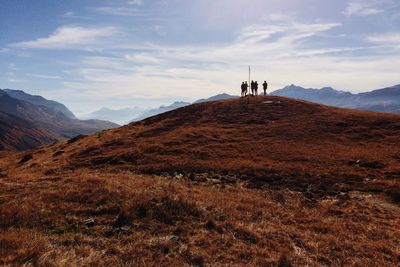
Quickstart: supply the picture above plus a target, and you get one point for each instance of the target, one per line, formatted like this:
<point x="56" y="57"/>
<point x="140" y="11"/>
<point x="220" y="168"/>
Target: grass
<point x="294" y="184"/>
<point x="175" y="222"/>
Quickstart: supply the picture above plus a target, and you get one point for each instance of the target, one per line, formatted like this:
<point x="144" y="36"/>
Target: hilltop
<point x="258" y="181"/>
<point x="293" y="139"/>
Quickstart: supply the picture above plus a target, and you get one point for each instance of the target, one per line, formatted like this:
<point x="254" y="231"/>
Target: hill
<point x="257" y="181"/>
<point x="265" y="134"/>
<point x="43" y="118"/>
<point x="381" y="100"/>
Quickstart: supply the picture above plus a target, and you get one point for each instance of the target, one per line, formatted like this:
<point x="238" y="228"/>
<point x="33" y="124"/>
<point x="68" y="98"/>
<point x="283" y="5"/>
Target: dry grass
<point x="128" y="219"/>
<point x="181" y="189"/>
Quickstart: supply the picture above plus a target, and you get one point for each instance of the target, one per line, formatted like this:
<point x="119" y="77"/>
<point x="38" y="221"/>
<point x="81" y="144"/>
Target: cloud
<point x="44" y="76"/>
<point x="122" y="11"/>
<point x="280" y="53"/>
<point x="72" y="15"/>
<point x="135" y="2"/>
<point x="146" y="58"/>
<point x="70" y="37"/>
<point x="12" y="66"/>
<point x="12" y="80"/>
<point x="392" y="38"/>
<point x="202" y="68"/>
<point x="362" y="8"/>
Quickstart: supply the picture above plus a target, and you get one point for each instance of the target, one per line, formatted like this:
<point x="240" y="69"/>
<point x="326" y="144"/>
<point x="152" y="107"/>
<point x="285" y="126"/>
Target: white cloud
<point x="203" y="69"/>
<point x="72" y="15"/>
<point x="363" y="8"/>
<point x="135" y="2"/>
<point x="12" y="66"/>
<point x="122" y="11"/>
<point x="51" y="77"/>
<point x="12" y="80"/>
<point x="276" y="53"/>
<point x="70" y="37"/>
<point x="146" y="58"/>
<point x="386" y="38"/>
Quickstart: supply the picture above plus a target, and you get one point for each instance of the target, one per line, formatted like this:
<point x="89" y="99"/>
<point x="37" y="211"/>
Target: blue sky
<point x="90" y="54"/>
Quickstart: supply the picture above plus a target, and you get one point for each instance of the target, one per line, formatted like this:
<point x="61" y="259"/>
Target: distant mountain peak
<point x="328" y="89"/>
<point x="40" y="101"/>
<point x="381" y="100"/>
<point x="216" y="97"/>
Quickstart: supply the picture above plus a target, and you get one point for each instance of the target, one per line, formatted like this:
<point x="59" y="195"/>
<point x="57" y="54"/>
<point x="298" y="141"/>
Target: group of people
<point x="253" y="87"/>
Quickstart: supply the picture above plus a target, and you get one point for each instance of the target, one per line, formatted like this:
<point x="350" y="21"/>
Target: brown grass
<point x="76" y="219"/>
<point x="210" y="185"/>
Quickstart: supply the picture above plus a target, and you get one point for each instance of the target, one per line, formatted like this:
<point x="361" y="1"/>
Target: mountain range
<point x="126" y="115"/>
<point x="28" y="121"/>
<point x="381" y="100"/>
<point x="119" y="116"/>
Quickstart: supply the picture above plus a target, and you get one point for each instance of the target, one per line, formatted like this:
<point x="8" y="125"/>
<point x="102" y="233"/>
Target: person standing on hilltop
<point x="265" y="87"/>
<point x="255" y="88"/>
<point x="252" y="87"/>
<point x="244" y="89"/>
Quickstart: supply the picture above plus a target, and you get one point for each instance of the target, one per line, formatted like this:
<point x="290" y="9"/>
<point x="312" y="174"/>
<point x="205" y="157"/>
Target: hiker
<point x="255" y="88"/>
<point x="265" y="87"/>
<point x="244" y="89"/>
<point x="252" y="87"/>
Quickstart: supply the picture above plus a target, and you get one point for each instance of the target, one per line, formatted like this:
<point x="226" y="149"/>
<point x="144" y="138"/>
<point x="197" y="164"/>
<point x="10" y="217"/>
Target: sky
<point x="90" y="54"/>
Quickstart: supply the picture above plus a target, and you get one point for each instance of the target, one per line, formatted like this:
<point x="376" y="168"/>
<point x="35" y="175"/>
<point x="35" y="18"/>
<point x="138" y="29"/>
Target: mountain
<point x="162" y="109"/>
<point x="40" y="101"/>
<point x="216" y="97"/>
<point x="19" y="134"/>
<point x="180" y="104"/>
<point x="257" y="181"/>
<point x="123" y="116"/>
<point x="52" y="122"/>
<point x="120" y="116"/>
<point x="381" y="100"/>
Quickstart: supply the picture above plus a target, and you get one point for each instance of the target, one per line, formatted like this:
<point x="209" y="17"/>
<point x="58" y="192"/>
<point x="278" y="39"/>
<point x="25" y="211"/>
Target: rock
<point x="89" y="222"/>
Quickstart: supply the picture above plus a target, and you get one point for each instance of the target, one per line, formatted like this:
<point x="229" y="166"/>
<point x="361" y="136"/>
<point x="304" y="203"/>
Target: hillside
<point x="19" y="134"/>
<point x="266" y="134"/>
<point x="43" y="118"/>
<point x="380" y="100"/>
<point x="258" y="181"/>
<point x="40" y="101"/>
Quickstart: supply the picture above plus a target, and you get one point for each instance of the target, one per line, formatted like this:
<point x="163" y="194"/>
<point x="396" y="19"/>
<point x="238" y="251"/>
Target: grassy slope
<point x="230" y="182"/>
<point x="19" y="134"/>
